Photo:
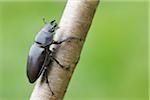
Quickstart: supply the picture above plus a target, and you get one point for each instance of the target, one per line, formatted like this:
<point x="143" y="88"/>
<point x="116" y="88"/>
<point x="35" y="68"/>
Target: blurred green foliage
<point x="114" y="60"/>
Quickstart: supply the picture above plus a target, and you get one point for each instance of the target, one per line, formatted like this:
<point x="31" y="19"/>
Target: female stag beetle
<point x="40" y="56"/>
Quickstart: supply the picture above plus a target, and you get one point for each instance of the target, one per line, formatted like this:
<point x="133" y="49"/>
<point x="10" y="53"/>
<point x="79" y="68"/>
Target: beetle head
<point x="45" y="36"/>
<point x="54" y="26"/>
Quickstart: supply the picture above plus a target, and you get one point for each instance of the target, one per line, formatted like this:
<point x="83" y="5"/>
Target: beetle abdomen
<point x="35" y="62"/>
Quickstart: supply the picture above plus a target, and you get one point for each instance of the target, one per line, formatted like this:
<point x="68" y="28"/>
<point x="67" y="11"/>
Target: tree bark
<point x="75" y="22"/>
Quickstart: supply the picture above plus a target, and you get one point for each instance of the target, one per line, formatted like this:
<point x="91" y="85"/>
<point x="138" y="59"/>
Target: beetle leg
<point x="58" y="62"/>
<point x="54" y="59"/>
<point x="45" y="71"/>
<point x="68" y="39"/>
<point x="46" y="76"/>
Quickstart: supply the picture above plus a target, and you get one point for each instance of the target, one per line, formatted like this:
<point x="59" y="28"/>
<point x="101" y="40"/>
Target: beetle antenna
<point x="44" y="20"/>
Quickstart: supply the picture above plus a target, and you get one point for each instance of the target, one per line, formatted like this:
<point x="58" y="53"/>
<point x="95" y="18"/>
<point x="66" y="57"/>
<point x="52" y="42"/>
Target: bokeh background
<point x="114" y="60"/>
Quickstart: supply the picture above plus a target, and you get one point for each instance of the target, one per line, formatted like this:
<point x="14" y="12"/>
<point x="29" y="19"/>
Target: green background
<point x="114" y="60"/>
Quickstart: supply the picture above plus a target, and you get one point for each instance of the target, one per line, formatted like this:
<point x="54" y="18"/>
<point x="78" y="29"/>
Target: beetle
<point x="39" y="51"/>
<point x="40" y="56"/>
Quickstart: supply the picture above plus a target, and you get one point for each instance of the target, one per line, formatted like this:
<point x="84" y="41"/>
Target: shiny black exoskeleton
<point x="40" y="55"/>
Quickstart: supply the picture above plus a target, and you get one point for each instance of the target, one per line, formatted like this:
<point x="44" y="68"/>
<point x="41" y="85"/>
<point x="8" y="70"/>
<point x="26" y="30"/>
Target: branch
<point x="75" y="22"/>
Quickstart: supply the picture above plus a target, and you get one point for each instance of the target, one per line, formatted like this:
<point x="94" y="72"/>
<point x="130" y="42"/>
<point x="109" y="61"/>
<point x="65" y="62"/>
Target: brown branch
<point x="75" y="22"/>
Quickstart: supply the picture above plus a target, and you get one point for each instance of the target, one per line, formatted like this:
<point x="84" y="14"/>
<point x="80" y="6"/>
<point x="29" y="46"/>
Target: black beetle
<point x="40" y="56"/>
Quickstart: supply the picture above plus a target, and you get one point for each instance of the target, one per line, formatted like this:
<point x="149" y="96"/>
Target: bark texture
<point x="75" y="22"/>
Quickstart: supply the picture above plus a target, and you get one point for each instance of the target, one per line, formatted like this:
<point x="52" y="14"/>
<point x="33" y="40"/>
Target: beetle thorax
<point x="44" y="37"/>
